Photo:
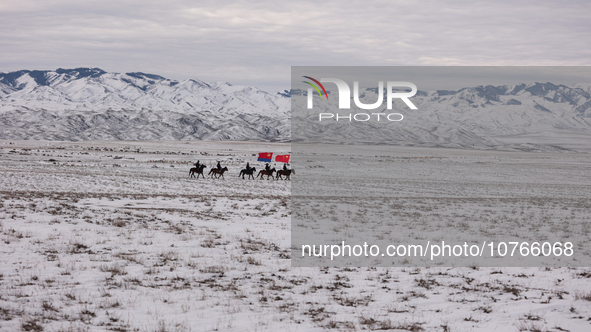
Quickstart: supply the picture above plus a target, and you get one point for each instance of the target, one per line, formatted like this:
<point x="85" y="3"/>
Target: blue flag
<point x="265" y="156"/>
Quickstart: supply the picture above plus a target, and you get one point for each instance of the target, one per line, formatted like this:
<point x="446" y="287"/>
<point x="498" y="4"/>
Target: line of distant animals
<point x="216" y="173"/>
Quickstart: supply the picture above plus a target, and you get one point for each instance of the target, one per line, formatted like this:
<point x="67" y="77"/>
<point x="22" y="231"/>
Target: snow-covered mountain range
<point x="535" y="116"/>
<point x="89" y="104"/>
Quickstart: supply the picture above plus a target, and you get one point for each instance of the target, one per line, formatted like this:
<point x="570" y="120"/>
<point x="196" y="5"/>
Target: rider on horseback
<point x="247" y="167"/>
<point x="197" y="164"/>
<point x="285" y="167"/>
<point x="219" y="166"/>
<point x="267" y="167"/>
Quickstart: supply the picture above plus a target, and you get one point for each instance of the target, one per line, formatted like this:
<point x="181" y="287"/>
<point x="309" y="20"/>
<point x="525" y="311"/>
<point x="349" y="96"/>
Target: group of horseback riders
<point x="219" y="171"/>
<point x="267" y="167"/>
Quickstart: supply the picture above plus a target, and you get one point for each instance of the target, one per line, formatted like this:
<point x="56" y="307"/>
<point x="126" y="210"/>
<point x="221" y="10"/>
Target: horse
<point x="217" y="172"/>
<point x="249" y="172"/>
<point x="264" y="172"/>
<point x="199" y="171"/>
<point x="286" y="173"/>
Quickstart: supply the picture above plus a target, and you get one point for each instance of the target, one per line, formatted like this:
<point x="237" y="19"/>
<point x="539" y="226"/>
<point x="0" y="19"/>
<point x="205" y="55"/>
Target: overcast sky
<point x="256" y="42"/>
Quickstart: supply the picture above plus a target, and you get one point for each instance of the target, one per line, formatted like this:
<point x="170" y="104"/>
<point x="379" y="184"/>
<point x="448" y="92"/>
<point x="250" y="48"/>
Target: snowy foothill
<point x="115" y="236"/>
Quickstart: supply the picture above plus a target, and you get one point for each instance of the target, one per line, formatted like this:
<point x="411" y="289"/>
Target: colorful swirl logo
<point x="315" y="87"/>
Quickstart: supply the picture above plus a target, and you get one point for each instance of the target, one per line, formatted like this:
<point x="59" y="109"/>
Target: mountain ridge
<point x="92" y="104"/>
<point x="535" y="116"/>
<point x="66" y="104"/>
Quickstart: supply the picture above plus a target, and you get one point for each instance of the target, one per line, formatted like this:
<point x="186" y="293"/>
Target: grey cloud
<point x="255" y="43"/>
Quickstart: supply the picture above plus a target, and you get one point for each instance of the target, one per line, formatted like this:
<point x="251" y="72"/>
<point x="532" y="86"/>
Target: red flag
<point x="265" y="156"/>
<point x="282" y="158"/>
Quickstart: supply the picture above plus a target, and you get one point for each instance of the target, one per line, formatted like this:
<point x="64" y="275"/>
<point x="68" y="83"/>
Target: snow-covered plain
<point x="383" y="195"/>
<point x="110" y="235"/>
